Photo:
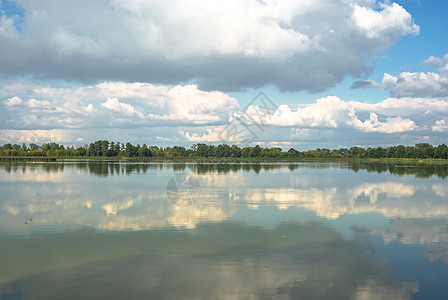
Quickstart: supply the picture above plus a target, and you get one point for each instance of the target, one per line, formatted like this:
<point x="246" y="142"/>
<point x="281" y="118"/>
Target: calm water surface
<point x="110" y="230"/>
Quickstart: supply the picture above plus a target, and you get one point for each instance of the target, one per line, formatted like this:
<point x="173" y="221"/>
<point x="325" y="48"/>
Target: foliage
<point x="104" y="148"/>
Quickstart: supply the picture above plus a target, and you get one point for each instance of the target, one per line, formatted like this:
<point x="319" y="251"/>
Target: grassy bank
<point x="416" y="161"/>
<point x="28" y="158"/>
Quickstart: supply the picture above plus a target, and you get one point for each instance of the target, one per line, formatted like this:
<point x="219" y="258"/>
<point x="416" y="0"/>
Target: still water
<point x="111" y="230"/>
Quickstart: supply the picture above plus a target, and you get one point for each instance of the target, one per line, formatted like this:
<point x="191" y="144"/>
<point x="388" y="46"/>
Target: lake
<point x="308" y="230"/>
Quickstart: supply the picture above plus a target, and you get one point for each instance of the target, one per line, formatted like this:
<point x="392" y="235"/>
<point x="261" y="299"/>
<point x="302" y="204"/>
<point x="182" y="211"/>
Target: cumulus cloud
<point x="418" y="84"/>
<point x="29" y="106"/>
<point x="332" y="122"/>
<point x="31" y="112"/>
<point x="326" y="112"/>
<point x="408" y="84"/>
<point x="434" y="61"/>
<point x="124" y="108"/>
<point x="392" y="18"/>
<point x="414" y="84"/>
<point x="34" y="136"/>
<point x="210" y="135"/>
<point x="405" y="106"/>
<point x="391" y="125"/>
<point x="299" y="132"/>
<point x="225" y="46"/>
<point x="441" y="126"/>
<point x="14" y="101"/>
<point x="332" y="112"/>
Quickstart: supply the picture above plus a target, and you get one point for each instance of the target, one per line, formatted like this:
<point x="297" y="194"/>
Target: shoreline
<point x="225" y="160"/>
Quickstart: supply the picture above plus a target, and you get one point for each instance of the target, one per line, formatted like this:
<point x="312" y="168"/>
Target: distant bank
<point x="103" y="149"/>
<point x="227" y="160"/>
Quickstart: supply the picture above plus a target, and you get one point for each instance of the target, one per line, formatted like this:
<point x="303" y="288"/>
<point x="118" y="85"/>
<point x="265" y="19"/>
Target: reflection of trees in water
<point x="420" y="171"/>
<point x="111" y="168"/>
<point x="105" y="168"/>
<point x="14" y="167"/>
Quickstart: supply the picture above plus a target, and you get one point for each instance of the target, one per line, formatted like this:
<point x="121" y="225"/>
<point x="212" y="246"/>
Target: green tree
<point x="246" y="152"/>
<point x="400" y="151"/>
<point x="130" y="151"/>
<point x="256" y="151"/>
<point x="144" y="151"/>
<point x="441" y="151"/>
<point x="223" y="150"/>
<point x="105" y="148"/>
<point x="412" y="152"/>
<point x="201" y="150"/>
<point x="356" y="152"/>
<point x="81" y="151"/>
<point x="34" y="147"/>
<point x="293" y="152"/>
<point x="235" y="151"/>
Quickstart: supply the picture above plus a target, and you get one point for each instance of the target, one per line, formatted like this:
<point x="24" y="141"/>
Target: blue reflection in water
<point x="13" y="292"/>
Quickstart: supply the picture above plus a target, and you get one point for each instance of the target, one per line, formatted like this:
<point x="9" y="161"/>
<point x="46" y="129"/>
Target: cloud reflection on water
<point x="219" y="262"/>
<point x="139" y="202"/>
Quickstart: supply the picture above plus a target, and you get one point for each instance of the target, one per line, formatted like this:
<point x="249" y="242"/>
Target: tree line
<point x="104" y="148"/>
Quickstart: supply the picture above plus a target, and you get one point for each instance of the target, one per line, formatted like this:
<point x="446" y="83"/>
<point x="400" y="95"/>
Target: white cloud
<point x="200" y="116"/>
<point x="295" y="45"/>
<point x="124" y="108"/>
<point x="326" y="112"/>
<point x="408" y="84"/>
<point x="405" y="106"/>
<point x="419" y="84"/>
<point x="280" y="144"/>
<point x="211" y="135"/>
<point x="161" y="138"/>
<point x="332" y="112"/>
<point x="98" y="105"/>
<point x="389" y="81"/>
<point x="441" y="126"/>
<point x="189" y="104"/>
<point x="299" y="132"/>
<point x="414" y="84"/>
<point x="34" y="136"/>
<point x="444" y="68"/>
<point x="434" y="61"/>
<point x="33" y="103"/>
<point x="14" y="101"/>
<point x="7" y="29"/>
<point x="392" y="18"/>
<point x="391" y="125"/>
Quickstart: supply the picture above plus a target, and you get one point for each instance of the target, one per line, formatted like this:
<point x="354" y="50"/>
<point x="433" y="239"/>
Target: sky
<point x="303" y="74"/>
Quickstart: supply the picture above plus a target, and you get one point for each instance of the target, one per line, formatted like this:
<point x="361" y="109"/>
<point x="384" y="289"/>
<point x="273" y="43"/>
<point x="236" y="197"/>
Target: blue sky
<point x="339" y="73"/>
